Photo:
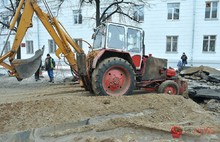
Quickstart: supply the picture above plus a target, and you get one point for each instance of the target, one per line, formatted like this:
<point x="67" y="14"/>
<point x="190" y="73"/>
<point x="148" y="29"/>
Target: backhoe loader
<point x="115" y="66"/>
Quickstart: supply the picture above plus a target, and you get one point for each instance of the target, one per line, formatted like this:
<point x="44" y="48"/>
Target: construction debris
<point x="204" y="82"/>
<point x="202" y="72"/>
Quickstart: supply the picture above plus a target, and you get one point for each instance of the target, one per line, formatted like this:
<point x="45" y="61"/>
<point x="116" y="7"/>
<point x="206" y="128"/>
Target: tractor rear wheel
<point x="169" y="87"/>
<point x="114" y="77"/>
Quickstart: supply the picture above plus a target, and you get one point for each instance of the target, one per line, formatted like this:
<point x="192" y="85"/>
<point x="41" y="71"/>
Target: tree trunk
<point x="19" y="48"/>
<point x="18" y="21"/>
<point x="97" y="13"/>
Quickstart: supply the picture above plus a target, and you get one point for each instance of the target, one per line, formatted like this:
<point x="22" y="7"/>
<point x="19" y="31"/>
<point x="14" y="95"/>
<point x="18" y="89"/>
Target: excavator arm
<point x="25" y="68"/>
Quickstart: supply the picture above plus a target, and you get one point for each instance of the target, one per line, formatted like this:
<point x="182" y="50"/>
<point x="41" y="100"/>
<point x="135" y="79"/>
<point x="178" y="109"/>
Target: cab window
<point x="116" y="37"/>
<point x="134" y="40"/>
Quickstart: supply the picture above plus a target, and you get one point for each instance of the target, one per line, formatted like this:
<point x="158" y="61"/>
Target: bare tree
<point x="121" y="7"/>
<point x="9" y="12"/>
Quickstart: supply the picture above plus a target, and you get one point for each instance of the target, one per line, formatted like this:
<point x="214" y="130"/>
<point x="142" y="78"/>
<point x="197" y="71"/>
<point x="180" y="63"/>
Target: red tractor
<point x="117" y="64"/>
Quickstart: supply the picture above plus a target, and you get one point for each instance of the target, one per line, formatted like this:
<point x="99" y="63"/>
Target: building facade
<point x="171" y="28"/>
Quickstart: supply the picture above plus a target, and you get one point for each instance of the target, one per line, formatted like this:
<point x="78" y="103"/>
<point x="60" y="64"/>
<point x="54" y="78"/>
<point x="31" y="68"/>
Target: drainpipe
<point x="193" y="31"/>
<point x="38" y="34"/>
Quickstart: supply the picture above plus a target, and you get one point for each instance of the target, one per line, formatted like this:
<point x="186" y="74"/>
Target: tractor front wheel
<point x="169" y="87"/>
<point x="114" y="77"/>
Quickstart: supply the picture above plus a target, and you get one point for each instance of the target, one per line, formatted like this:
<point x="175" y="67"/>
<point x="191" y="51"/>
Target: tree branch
<point x="12" y="6"/>
<point x="104" y="12"/>
<point x="6" y="25"/>
<point x="9" y="9"/>
<point x="118" y="10"/>
<point x="130" y="17"/>
<point x="60" y="4"/>
<point x="119" y="5"/>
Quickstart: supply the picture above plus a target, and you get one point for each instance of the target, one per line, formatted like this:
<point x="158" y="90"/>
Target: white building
<point x="171" y="28"/>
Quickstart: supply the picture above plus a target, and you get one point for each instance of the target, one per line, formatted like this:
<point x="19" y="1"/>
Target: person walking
<point x="184" y="59"/>
<point x="50" y="65"/>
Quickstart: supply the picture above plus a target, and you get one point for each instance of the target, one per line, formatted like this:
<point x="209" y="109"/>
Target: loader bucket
<point x="27" y="67"/>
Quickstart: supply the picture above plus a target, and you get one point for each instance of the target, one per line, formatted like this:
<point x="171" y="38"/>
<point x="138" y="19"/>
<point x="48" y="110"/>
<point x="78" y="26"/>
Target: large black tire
<point x="169" y="87"/>
<point x="114" y="77"/>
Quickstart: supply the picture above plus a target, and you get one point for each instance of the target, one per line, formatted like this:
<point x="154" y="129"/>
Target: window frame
<point x="172" y="43"/>
<point x="77" y="17"/>
<point x="100" y="37"/>
<point x="116" y="37"/>
<point x="52" y="48"/>
<point x="29" y="46"/>
<point x="134" y="40"/>
<point x="173" y="7"/>
<point x="210" y="11"/>
<point x="7" y="48"/>
<point x="78" y="41"/>
<point x="209" y="42"/>
<point x="138" y="13"/>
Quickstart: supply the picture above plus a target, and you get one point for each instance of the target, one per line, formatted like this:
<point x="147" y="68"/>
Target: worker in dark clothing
<point x="37" y="73"/>
<point x="50" y="65"/>
<point x="184" y="59"/>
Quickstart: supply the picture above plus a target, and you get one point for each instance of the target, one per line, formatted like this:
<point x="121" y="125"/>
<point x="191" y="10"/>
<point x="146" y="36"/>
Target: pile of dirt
<point x="31" y="104"/>
<point x="154" y="110"/>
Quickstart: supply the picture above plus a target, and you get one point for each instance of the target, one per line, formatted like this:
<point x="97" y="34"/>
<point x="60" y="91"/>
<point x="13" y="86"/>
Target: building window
<point x="211" y="9"/>
<point x="29" y="47"/>
<point x="5" y="20"/>
<point x="138" y="14"/>
<point x="78" y="41"/>
<point x="52" y="46"/>
<point x="77" y="17"/>
<point x="173" y="11"/>
<point x="172" y="42"/>
<point x="5" y="2"/>
<point x="107" y="13"/>
<point x="7" y="46"/>
<point x="209" y="43"/>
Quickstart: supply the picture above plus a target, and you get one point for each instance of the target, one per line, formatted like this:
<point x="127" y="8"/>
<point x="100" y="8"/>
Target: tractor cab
<point x="120" y="38"/>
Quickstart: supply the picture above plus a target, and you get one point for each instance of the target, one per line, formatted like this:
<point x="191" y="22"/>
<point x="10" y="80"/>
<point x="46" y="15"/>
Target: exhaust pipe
<point x="27" y="67"/>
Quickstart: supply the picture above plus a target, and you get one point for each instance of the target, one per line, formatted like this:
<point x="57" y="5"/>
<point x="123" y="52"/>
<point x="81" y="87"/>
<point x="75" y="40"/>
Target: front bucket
<point x="27" y="67"/>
